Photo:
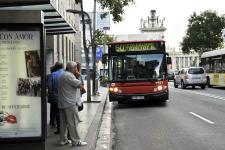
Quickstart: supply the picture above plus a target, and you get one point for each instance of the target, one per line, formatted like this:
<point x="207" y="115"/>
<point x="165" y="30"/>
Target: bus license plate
<point x="138" y="97"/>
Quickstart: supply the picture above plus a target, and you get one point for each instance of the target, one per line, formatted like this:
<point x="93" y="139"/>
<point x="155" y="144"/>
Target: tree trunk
<point x="86" y="51"/>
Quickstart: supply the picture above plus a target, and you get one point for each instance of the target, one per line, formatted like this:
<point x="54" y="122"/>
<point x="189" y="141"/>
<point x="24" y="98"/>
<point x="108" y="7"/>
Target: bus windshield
<point x="137" y="67"/>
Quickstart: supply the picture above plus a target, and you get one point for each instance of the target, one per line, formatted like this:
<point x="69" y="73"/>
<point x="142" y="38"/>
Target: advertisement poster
<point x="20" y="85"/>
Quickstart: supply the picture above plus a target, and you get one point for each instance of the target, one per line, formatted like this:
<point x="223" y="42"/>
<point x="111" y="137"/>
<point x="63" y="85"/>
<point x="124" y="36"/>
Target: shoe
<point x="65" y="142"/>
<point x="56" y="132"/>
<point x="80" y="143"/>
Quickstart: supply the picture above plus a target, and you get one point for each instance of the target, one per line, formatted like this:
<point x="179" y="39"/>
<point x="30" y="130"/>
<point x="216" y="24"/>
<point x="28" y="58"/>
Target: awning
<point x="54" y="21"/>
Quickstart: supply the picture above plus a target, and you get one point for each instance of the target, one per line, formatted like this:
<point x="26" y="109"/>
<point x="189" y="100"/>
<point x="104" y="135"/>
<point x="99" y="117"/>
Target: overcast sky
<point x="176" y="13"/>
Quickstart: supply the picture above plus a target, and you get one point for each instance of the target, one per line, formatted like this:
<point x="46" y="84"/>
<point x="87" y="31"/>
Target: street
<point x="192" y="119"/>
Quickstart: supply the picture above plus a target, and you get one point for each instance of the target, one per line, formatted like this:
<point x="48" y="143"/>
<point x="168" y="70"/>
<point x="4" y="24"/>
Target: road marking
<point x="203" y="94"/>
<point x="200" y="117"/>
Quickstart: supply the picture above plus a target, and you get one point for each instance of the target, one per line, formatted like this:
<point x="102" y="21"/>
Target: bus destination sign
<point x="135" y="47"/>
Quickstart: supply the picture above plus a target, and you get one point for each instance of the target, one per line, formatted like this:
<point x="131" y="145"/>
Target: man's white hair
<point x="70" y="65"/>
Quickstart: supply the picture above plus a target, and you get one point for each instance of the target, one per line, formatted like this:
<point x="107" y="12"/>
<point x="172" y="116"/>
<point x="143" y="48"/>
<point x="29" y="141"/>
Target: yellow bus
<point x="214" y="65"/>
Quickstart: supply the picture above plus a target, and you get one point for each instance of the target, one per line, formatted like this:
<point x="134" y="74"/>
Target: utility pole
<point x="104" y="51"/>
<point x="94" y="87"/>
<point x="86" y="51"/>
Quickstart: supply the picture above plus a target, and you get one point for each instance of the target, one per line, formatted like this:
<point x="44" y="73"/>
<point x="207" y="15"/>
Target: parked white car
<point x="193" y="76"/>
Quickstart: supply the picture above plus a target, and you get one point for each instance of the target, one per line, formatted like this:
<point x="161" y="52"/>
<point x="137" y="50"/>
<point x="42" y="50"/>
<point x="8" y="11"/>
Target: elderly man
<point x="69" y="92"/>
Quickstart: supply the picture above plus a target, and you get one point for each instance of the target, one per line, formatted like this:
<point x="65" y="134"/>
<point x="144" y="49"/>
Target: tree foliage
<point x="204" y="32"/>
<point x="116" y="7"/>
<point x="102" y="38"/>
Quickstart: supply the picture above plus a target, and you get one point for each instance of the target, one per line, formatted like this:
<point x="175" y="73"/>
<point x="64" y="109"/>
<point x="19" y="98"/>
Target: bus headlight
<point x="160" y="87"/>
<point x="111" y="89"/>
<point x="116" y="89"/>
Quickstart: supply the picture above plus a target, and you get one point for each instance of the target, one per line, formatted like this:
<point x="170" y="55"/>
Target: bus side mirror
<point x="104" y="59"/>
<point x="169" y="60"/>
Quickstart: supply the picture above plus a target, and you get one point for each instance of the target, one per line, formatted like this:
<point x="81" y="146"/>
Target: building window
<point x="67" y="50"/>
<point x="63" y="53"/>
<point x="58" y="48"/>
<point x="182" y="62"/>
<point x="190" y="60"/>
<point x="177" y="63"/>
<point x="72" y="51"/>
<point x="186" y="61"/>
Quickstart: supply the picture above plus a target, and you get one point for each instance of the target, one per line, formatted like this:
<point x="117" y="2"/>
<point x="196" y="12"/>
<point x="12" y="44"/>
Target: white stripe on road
<point x="203" y="94"/>
<point x="200" y="117"/>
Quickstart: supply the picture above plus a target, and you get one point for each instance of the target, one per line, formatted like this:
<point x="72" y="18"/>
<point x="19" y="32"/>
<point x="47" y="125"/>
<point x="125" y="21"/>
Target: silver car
<point x="193" y="76"/>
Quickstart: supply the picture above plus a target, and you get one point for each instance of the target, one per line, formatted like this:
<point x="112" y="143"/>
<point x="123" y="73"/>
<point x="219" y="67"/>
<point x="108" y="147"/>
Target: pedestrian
<point x="50" y="97"/>
<point x="69" y="89"/>
<point x="82" y="89"/>
<point x="54" y="79"/>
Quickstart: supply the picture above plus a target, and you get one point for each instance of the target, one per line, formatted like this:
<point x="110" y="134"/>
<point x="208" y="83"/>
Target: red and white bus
<point x="138" y="71"/>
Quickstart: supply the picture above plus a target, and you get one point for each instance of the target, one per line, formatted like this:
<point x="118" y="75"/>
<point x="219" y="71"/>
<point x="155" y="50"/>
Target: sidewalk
<point x="91" y="117"/>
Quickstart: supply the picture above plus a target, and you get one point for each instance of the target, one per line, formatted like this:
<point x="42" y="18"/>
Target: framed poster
<point x="32" y="63"/>
<point x="22" y="100"/>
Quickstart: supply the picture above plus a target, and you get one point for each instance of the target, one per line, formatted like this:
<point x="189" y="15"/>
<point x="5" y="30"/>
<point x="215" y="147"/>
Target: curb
<point x="104" y="141"/>
<point x="93" y="130"/>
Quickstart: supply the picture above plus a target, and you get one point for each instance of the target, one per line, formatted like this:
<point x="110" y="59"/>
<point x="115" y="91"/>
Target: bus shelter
<point x="23" y="28"/>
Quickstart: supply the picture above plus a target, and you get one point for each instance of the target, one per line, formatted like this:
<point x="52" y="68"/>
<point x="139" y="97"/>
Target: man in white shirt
<point x="69" y="93"/>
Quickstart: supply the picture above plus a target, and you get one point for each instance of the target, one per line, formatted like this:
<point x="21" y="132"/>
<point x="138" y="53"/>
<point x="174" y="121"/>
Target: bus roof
<point x="143" y="41"/>
<point x="213" y="53"/>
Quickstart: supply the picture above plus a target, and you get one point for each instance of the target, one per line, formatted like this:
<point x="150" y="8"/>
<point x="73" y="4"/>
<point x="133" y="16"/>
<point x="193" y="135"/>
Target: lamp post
<point x="86" y="50"/>
<point x="95" y="84"/>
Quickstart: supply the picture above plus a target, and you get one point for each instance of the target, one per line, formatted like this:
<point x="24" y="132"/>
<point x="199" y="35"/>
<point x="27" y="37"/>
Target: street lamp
<point x="86" y="50"/>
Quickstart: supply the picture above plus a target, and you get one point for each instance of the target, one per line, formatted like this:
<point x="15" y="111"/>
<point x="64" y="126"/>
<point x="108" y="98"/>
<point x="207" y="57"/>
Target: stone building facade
<point x="64" y="47"/>
<point x="180" y="60"/>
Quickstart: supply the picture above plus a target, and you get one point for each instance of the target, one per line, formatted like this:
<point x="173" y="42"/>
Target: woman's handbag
<point x="80" y="107"/>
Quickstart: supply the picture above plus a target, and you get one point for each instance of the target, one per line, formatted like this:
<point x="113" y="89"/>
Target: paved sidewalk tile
<point x="88" y="129"/>
<point x="87" y="115"/>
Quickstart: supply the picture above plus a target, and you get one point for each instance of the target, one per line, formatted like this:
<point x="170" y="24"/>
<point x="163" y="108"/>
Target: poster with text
<point x="20" y="84"/>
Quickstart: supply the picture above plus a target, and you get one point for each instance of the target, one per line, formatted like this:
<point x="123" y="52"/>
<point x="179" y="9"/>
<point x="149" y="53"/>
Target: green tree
<point x="101" y="38"/>
<point x="115" y="7"/>
<point x="204" y="32"/>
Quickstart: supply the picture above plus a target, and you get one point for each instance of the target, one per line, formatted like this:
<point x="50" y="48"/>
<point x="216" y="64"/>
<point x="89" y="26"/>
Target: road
<point x="192" y="119"/>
